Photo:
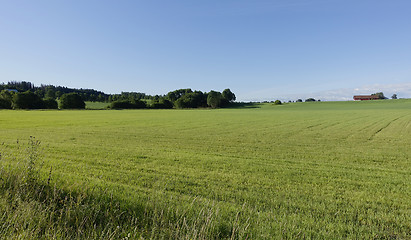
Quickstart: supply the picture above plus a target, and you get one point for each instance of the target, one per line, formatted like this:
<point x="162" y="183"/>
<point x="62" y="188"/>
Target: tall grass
<point x="32" y="207"/>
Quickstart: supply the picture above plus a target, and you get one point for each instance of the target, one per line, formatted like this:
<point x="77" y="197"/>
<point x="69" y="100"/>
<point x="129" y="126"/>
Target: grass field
<point x="96" y="105"/>
<point x="322" y="170"/>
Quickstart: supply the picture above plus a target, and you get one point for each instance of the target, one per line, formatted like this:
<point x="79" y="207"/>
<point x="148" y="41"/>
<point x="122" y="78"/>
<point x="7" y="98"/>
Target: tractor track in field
<point x="382" y="128"/>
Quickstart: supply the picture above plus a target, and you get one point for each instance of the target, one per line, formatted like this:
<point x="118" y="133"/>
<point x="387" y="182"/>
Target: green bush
<point x="50" y="103"/>
<point x="6" y="99"/>
<point x="162" y="104"/>
<point x="27" y="100"/>
<point x="138" y="104"/>
<point x="214" y="99"/>
<point x="277" y="102"/>
<point x="5" y="104"/>
<point x="72" y="101"/>
<point x="192" y="100"/>
<point x="122" y="104"/>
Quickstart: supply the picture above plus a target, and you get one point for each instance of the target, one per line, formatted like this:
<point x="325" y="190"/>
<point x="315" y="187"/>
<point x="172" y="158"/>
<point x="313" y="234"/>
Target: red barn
<point x="366" y="97"/>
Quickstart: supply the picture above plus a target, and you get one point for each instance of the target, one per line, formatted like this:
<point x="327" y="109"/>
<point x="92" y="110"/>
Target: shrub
<point x="123" y="104"/>
<point x="5" y="104"/>
<point x="6" y="99"/>
<point x="138" y="104"/>
<point x="27" y="100"/>
<point x="120" y="105"/>
<point x="50" y="103"/>
<point x="162" y="104"/>
<point x="214" y="99"/>
<point x="277" y="102"/>
<point x="72" y="101"/>
<point x="192" y="100"/>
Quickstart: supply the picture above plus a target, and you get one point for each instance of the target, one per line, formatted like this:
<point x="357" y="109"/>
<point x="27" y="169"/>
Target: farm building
<point x="366" y="97"/>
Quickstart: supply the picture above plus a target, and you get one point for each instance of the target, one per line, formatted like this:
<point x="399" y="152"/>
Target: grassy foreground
<point x="332" y="170"/>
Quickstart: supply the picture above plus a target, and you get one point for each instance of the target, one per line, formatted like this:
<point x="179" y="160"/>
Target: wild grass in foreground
<point x="33" y="208"/>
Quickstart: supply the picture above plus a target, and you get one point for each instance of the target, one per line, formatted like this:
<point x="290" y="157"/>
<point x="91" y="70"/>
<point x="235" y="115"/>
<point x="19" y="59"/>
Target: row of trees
<point x="181" y="98"/>
<point x="140" y="104"/>
<point x="24" y="95"/>
<point x="55" y="92"/>
<point x="186" y="98"/>
<point x="308" y="100"/>
<point x="30" y="100"/>
<point x="380" y="95"/>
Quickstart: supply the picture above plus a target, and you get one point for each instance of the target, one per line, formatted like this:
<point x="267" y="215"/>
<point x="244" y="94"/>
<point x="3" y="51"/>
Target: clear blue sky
<point x="261" y="50"/>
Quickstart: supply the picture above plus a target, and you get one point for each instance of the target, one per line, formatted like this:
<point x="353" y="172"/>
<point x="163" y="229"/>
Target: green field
<point x="332" y="170"/>
<point x="96" y="105"/>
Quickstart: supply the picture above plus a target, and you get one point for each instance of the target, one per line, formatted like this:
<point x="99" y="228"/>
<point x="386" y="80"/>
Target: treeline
<point x="181" y="98"/>
<point x="51" y="91"/>
<point x="24" y="95"/>
<point x="29" y="100"/>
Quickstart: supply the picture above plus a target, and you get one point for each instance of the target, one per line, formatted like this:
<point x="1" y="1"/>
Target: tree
<point x="380" y="95"/>
<point x="394" y="96"/>
<point x="124" y="104"/>
<point x="138" y="104"/>
<point x="58" y="94"/>
<point x="50" y="93"/>
<point x="299" y="100"/>
<point x="162" y="104"/>
<point x="277" y="102"/>
<point x="192" y="100"/>
<point x="50" y="103"/>
<point x="4" y="104"/>
<point x="166" y="104"/>
<point x="214" y="99"/>
<point x="121" y="105"/>
<point x="27" y="100"/>
<point x="228" y="95"/>
<point x="20" y="86"/>
<point x="7" y="95"/>
<point x="175" y="95"/>
<point x="310" y="100"/>
<point x="72" y="101"/>
<point x="6" y="98"/>
<point x="39" y="92"/>
<point x="101" y="98"/>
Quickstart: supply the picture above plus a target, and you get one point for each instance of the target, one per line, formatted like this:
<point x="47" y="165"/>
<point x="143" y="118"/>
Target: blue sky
<point x="261" y="50"/>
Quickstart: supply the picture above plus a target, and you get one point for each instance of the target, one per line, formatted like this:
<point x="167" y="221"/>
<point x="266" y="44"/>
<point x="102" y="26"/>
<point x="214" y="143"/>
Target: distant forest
<point x="14" y="93"/>
<point x="45" y="91"/>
